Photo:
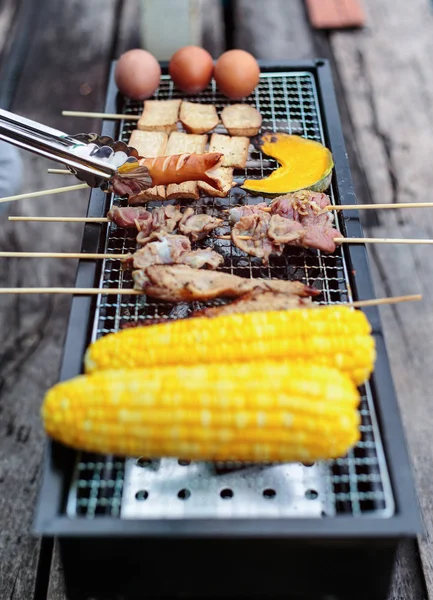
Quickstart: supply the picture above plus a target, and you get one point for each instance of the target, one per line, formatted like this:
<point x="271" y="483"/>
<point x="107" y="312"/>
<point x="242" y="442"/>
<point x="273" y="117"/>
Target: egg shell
<point x="236" y="74"/>
<point x="191" y="69"/>
<point x="137" y="74"/>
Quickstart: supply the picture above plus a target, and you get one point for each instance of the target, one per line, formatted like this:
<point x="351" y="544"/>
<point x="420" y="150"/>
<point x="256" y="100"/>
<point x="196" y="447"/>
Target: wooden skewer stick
<point x="99" y="115"/>
<point x="80" y="255"/>
<point x="62" y="219"/>
<point x="343" y="240"/>
<point x="59" y="172"/>
<point x="133" y="292"/>
<point x="74" y="291"/>
<point x="60" y="190"/>
<point x="337" y="207"/>
<point x="380" y="301"/>
<point x="380" y="206"/>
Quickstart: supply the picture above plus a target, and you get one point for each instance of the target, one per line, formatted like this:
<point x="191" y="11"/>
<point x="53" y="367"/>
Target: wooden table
<point x="56" y="56"/>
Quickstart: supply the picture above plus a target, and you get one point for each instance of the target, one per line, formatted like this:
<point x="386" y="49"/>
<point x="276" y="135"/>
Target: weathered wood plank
<point x="275" y="29"/>
<point x="66" y="66"/>
<point x="385" y="71"/>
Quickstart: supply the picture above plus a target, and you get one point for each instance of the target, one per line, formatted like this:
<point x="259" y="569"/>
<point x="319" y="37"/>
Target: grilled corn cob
<point x="251" y="412"/>
<point x="330" y="336"/>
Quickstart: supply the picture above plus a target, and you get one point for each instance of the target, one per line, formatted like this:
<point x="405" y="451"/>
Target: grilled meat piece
<point x="164" y="220"/>
<point x="236" y="213"/>
<point x="309" y="209"/>
<point x="197" y="227"/>
<point x="299" y="219"/>
<point x="300" y="204"/>
<point x="255" y="227"/>
<point x="204" y="257"/>
<point x="172" y="249"/>
<point x="129" y="217"/>
<point x="283" y="231"/>
<point x="165" y="251"/>
<point x="179" y="283"/>
<point x="254" y="301"/>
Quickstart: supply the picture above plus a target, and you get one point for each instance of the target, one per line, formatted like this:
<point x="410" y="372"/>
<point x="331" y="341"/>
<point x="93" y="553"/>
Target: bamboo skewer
<point x="99" y="115"/>
<point x="60" y="190"/>
<point x="338" y="240"/>
<point x="79" y="255"/>
<point x="73" y="291"/>
<point x="59" y="172"/>
<point x="134" y="292"/>
<point x="343" y="240"/>
<point x="381" y="301"/>
<point x="361" y="240"/>
<point x="62" y="219"/>
<point x="387" y="205"/>
<point x="380" y="206"/>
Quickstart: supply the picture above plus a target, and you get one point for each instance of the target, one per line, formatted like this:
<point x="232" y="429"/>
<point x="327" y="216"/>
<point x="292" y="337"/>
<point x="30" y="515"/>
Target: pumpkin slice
<point x="305" y="165"/>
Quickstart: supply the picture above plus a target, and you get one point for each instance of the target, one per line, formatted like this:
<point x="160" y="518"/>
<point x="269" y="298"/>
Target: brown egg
<point x="191" y="69"/>
<point x="137" y="74"/>
<point x="236" y="74"/>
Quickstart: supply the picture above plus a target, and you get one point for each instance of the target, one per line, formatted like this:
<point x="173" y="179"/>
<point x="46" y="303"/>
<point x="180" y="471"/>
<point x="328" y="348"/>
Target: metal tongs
<point x="92" y="158"/>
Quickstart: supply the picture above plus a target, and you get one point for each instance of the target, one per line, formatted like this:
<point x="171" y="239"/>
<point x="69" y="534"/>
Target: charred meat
<point x="254" y="301"/>
<point x="180" y="283"/>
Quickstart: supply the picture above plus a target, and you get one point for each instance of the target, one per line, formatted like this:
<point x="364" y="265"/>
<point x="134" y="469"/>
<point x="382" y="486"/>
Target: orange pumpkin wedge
<point x="305" y="165"/>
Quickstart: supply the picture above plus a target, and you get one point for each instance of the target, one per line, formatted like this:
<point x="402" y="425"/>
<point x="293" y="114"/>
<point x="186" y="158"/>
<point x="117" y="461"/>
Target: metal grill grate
<point x="355" y="485"/>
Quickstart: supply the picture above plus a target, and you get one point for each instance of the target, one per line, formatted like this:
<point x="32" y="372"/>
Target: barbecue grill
<point x="167" y="527"/>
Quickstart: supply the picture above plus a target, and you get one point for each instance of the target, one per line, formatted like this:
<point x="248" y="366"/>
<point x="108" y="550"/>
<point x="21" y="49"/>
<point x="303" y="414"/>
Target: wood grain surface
<point x="385" y="74"/>
<point x="70" y="57"/>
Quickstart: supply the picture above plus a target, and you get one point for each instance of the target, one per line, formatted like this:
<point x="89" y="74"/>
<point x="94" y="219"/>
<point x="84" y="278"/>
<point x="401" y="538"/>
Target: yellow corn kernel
<point x="264" y="411"/>
<point x="335" y="336"/>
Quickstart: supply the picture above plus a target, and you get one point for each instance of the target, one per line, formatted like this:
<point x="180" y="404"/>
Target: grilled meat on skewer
<point x="197" y="226"/>
<point x="172" y="249"/>
<point x="300" y="219"/>
<point x="164" y="219"/>
<point x="178" y="283"/>
<point x="256" y="228"/>
<point x="129" y="217"/>
<point x="255" y="301"/>
<point x="237" y="212"/>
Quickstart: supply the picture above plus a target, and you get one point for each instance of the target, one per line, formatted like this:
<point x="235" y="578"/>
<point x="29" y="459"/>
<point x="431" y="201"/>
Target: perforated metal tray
<point x="111" y="490"/>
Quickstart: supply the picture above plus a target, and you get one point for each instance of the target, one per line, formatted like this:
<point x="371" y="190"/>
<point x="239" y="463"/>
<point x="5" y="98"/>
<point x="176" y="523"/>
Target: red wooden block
<point x="335" y="14"/>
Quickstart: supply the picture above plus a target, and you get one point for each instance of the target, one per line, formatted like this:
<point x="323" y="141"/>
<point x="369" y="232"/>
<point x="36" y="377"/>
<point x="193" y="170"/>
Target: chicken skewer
<point x="301" y="219"/>
<point x="164" y="219"/>
<point x="133" y="292"/>
<point x="160" y="250"/>
<point x="361" y="240"/>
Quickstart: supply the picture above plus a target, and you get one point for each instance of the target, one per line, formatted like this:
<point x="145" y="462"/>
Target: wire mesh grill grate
<point x="355" y="485"/>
